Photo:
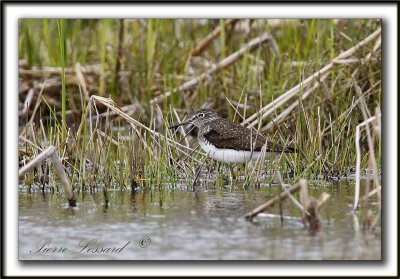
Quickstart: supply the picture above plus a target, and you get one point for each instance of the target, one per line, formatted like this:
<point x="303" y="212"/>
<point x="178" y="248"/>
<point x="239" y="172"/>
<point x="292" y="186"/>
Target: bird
<point x="229" y="142"/>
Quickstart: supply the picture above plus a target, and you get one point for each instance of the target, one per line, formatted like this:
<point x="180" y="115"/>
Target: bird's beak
<point x="180" y="124"/>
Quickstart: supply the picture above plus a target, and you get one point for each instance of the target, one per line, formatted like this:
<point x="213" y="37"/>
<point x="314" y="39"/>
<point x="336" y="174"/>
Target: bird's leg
<point x="196" y="179"/>
<point x="209" y="168"/>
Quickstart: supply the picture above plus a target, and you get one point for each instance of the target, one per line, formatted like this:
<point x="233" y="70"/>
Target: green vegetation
<point x="125" y="142"/>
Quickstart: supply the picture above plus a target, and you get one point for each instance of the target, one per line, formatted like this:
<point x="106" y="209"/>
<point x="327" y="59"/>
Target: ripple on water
<point x="187" y="225"/>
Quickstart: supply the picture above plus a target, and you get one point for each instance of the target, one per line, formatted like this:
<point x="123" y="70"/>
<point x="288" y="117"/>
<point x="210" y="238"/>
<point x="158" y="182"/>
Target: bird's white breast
<point x="230" y="155"/>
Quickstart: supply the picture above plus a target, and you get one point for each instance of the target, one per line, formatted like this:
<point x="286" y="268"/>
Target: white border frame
<point x="13" y="11"/>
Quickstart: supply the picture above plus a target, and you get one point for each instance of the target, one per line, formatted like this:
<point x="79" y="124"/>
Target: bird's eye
<point x="201" y="115"/>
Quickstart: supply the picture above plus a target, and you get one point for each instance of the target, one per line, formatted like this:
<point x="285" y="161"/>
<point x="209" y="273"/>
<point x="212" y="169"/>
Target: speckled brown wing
<point x="228" y="135"/>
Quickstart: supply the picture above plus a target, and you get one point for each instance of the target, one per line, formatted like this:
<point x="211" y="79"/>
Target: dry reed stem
<point x="351" y="61"/>
<point x="227" y="61"/>
<point x="311" y="208"/>
<point x="366" y="115"/>
<point x="284" y="217"/>
<point x="271" y="107"/>
<point x="135" y="124"/>
<point x="278" y="119"/>
<point x="358" y="160"/>
<point x="81" y="80"/>
<point x="27" y="101"/>
<point x="51" y="152"/>
<point x="39" y="100"/>
<point x="152" y="132"/>
<point x="371" y="154"/>
<point x="282" y="196"/>
<point x="63" y="176"/>
<point x="107" y="137"/>
<point x="322" y="199"/>
<point x="181" y="128"/>
<point x="350" y="109"/>
<point x="30" y="142"/>
<point x="378" y="126"/>
<point x="296" y="202"/>
<point x="37" y="160"/>
<point x="45" y="71"/>
<point x="205" y="42"/>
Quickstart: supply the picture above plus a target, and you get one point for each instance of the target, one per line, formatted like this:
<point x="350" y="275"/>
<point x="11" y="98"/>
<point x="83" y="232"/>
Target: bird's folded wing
<point x="228" y="136"/>
<point x="241" y="140"/>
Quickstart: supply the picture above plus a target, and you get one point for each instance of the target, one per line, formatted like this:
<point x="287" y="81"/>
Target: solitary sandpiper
<point x="228" y="142"/>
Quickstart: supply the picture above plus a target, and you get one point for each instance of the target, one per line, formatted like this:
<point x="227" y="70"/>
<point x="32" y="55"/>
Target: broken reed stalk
<point x="36" y="161"/>
<point x="296" y="202"/>
<point x="311" y="208"/>
<point x="358" y="159"/>
<point x="224" y="63"/>
<point x="282" y="196"/>
<point x="51" y="152"/>
<point x="63" y="178"/>
<point x="278" y="119"/>
<point x="252" y="120"/>
<point x="28" y="101"/>
<point x="81" y="81"/>
<point x="205" y="42"/>
<point x="370" y="140"/>
<point x="371" y="151"/>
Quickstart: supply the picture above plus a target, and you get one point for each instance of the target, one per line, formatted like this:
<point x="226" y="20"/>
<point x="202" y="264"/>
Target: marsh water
<point x="179" y="223"/>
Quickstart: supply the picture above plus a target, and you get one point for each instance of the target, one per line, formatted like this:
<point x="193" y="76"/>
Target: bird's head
<point x="199" y="118"/>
